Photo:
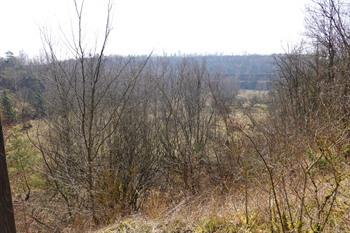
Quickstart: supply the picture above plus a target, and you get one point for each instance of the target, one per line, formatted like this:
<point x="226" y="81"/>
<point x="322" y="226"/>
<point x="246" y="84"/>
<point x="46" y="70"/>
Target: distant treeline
<point x="22" y="83"/>
<point x="253" y="72"/>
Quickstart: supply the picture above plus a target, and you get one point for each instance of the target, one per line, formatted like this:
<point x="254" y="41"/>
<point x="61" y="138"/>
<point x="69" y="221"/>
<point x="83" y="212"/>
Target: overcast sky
<point x="162" y="26"/>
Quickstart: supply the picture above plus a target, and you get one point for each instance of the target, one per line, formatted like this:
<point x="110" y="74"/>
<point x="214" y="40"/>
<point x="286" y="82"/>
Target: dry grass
<point x="215" y="212"/>
<point x="210" y="211"/>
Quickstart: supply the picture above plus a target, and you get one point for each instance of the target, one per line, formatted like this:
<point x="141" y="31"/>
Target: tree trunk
<point x="7" y="220"/>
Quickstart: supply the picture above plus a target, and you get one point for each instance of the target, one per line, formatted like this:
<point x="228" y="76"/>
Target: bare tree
<point x="97" y="146"/>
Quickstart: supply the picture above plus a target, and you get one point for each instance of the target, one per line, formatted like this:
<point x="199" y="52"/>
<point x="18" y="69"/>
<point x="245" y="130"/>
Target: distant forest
<point x="22" y="80"/>
<point x="254" y="72"/>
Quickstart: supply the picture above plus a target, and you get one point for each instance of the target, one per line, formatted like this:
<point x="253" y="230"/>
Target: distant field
<point x="248" y="94"/>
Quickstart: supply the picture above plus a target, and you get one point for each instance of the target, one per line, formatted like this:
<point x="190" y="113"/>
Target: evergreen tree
<point x="38" y="102"/>
<point x="8" y="112"/>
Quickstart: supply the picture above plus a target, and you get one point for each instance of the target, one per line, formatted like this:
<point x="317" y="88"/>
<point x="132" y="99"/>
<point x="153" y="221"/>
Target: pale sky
<point x="162" y="26"/>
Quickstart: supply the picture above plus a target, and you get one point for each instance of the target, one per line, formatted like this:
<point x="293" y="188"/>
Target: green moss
<point x="129" y="226"/>
<point x="216" y="225"/>
<point x="177" y="226"/>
